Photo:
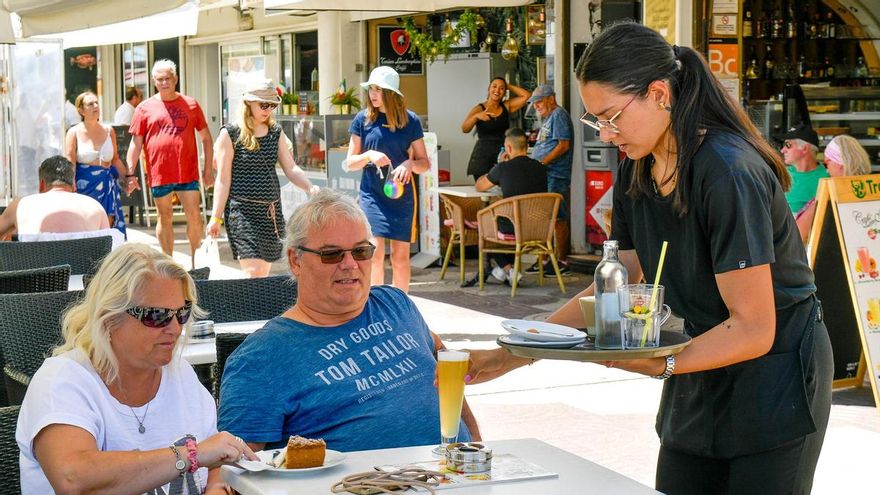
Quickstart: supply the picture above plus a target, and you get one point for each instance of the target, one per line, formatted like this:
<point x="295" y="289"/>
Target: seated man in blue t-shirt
<point x="518" y="175"/>
<point x="348" y="363"/>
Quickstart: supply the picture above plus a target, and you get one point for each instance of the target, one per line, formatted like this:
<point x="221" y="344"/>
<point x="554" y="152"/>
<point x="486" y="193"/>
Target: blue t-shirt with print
<point x="367" y="384"/>
<point x="555" y="128"/>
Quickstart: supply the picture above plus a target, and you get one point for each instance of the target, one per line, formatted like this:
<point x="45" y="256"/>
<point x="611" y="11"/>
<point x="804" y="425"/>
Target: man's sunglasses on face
<point x="334" y="256"/>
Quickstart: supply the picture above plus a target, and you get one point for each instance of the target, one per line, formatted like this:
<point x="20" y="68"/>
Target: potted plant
<point x="345" y="99"/>
<point x="288" y="103"/>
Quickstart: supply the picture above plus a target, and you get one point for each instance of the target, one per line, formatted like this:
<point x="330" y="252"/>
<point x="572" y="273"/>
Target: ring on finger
<point x="239" y="440"/>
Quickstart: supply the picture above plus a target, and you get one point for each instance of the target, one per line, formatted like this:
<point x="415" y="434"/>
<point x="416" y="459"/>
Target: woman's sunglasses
<point x="268" y="106"/>
<point x="334" y="256"/>
<point x="160" y="317"/>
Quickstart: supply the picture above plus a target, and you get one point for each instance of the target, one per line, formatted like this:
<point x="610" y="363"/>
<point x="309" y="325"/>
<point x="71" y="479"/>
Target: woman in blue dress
<point x="386" y="142"/>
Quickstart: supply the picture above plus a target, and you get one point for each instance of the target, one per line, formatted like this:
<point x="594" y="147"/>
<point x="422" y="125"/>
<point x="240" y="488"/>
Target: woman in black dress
<point x="492" y="118"/>
<point x="745" y="406"/>
<point x="246" y="190"/>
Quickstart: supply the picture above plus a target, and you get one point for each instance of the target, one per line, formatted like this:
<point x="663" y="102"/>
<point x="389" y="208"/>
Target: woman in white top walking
<point x="92" y="146"/>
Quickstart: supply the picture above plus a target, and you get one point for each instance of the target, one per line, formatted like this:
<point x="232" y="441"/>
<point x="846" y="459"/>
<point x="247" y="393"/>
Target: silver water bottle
<point x="610" y="275"/>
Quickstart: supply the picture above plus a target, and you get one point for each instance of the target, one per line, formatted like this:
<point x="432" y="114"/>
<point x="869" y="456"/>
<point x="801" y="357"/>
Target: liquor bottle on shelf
<point x="777" y="24"/>
<point x="829" y="68"/>
<point x="763" y="30"/>
<point x="861" y="70"/>
<point x="769" y="62"/>
<point x="753" y="71"/>
<point x="830" y="25"/>
<point x="748" y="23"/>
<point x="817" y="27"/>
<point x="802" y="66"/>
<point x="791" y="24"/>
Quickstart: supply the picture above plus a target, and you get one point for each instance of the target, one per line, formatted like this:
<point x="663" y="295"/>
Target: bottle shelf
<point x="825" y="117"/>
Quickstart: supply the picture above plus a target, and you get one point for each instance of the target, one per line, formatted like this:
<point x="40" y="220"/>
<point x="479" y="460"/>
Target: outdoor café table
<point x="467" y="192"/>
<point x="205" y="352"/>
<point x="576" y="475"/>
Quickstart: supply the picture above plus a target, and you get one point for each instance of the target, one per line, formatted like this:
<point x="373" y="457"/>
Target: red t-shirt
<point x="168" y="129"/>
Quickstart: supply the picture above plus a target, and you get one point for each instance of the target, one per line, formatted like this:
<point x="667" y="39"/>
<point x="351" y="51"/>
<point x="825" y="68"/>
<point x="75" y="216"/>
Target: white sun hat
<point x="385" y="78"/>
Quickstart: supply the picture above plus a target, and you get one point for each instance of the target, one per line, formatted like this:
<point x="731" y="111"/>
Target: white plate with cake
<point x="301" y="455"/>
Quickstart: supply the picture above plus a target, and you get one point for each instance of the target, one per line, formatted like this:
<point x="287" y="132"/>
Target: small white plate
<point x="517" y="340"/>
<point x="541" y="330"/>
<point x="331" y="458"/>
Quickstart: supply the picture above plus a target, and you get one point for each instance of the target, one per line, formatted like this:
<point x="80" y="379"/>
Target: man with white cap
<point x="164" y="126"/>
<point x="553" y="150"/>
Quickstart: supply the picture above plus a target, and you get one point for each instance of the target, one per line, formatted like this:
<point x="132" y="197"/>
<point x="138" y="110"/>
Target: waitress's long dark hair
<point x="629" y="57"/>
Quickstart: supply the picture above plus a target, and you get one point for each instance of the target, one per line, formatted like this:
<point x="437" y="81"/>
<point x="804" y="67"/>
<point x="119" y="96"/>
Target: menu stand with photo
<point x="505" y="468"/>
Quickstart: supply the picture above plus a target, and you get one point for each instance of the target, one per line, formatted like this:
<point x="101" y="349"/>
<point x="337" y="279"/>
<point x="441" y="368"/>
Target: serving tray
<point x="670" y="343"/>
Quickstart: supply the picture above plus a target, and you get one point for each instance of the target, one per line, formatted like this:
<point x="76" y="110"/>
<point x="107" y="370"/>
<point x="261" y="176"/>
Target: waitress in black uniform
<point x="745" y="406"/>
<point x="492" y="119"/>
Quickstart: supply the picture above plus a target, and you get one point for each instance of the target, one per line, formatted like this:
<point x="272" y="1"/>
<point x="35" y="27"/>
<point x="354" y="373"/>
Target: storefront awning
<point x="104" y="22"/>
<point x="283" y="6"/>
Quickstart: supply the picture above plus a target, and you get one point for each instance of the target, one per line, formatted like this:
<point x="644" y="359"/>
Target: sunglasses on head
<point x="268" y="106"/>
<point x="334" y="256"/>
<point x="160" y="317"/>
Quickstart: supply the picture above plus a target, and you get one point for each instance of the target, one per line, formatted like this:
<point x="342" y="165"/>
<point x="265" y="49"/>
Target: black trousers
<point x="787" y="469"/>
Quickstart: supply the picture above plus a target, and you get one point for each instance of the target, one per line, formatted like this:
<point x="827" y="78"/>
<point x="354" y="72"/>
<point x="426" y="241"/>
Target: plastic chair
<point x="534" y="223"/>
<point x="460" y="211"/>
<point x="226" y="343"/>
<point x="83" y="255"/>
<point x="30" y="327"/>
<point x="246" y="299"/>
<point x="9" y="452"/>
<point x="49" y="279"/>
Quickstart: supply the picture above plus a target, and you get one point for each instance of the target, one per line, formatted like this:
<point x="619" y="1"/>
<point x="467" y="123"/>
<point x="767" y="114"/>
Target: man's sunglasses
<point x="160" y="317"/>
<point x="334" y="256"/>
<point x="268" y="106"/>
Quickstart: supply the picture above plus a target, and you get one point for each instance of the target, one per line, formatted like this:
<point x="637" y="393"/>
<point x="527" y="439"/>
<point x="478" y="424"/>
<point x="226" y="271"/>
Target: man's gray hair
<point x="164" y="64"/>
<point x="801" y="143"/>
<point x="321" y="210"/>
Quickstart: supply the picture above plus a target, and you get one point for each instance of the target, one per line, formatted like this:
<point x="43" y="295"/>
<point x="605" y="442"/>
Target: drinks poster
<point x="860" y="224"/>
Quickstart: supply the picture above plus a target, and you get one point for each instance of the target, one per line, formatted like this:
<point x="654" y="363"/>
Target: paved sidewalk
<point x="604" y="415"/>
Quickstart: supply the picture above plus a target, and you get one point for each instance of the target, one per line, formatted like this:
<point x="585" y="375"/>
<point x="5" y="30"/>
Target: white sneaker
<point x="498" y="274"/>
<point x="511" y="274"/>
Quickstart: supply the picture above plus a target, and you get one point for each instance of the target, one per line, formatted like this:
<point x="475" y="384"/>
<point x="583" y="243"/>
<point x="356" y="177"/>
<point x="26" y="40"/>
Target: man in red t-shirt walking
<point x="164" y="126"/>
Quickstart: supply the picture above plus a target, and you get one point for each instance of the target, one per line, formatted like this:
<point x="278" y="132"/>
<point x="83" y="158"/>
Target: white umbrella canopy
<point x="279" y="6"/>
<point x="58" y="16"/>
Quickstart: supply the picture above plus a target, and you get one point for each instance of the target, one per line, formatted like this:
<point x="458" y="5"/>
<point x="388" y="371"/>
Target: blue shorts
<point x="167" y="189"/>
<point x="563" y="187"/>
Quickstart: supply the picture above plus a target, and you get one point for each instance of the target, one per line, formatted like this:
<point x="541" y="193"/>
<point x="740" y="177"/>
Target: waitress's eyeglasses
<point x="160" y="317"/>
<point x="598" y="124"/>
<point x="268" y="106"/>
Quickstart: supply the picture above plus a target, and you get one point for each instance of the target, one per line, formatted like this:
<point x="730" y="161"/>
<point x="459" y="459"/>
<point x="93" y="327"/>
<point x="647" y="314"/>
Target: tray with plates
<point x="670" y="343"/>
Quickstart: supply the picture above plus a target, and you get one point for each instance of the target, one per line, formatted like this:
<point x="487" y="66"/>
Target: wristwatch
<point x="180" y="464"/>
<point x="670" y="368"/>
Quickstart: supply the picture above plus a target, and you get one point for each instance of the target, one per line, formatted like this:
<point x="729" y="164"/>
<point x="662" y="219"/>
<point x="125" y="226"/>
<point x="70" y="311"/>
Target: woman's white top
<point x="67" y="390"/>
<point x="86" y="153"/>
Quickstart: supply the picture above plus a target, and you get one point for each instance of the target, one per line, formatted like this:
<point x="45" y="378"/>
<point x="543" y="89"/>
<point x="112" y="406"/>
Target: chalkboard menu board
<point x="845" y="241"/>
<point x="396" y="51"/>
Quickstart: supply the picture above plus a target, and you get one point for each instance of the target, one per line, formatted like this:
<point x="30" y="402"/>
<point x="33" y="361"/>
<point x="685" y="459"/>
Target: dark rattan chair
<point x="30" y="327"/>
<point x="246" y="299"/>
<point x="226" y="343"/>
<point x="9" y="451"/>
<point x="83" y="255"/>
<point x="49" y="279"/>
<point x="196" y="274"/>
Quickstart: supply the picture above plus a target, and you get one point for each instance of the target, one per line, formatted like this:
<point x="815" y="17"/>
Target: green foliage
<point x="429" y="48"/>
<point x="347" y="97"/>
<point x="289" y="99"/>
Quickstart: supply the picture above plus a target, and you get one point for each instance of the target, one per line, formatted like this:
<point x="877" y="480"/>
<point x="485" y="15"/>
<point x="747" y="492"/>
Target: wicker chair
<point x="200" y="273"/>
<point x="534" y="222"/>
<point x="458" y="210"/>
<point x="30" y="327"/>
<point x="246" y="299"/>
<point x="226" y="343"/>
<point x="49" y="279"/>
<point x="9" y="451"/>
<point x="83" y="255"/>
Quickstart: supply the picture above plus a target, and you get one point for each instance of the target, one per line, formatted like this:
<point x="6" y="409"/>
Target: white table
<point x="467" y="191"/>
<point x="576" y="475"/>
<point x="206" y="352"/>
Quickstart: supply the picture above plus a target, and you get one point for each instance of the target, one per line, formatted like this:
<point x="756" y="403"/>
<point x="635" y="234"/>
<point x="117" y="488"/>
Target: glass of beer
<point x="451" y="368"/>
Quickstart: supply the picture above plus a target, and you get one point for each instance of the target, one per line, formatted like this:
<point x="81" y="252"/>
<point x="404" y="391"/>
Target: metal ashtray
<point x="468" y="457"/>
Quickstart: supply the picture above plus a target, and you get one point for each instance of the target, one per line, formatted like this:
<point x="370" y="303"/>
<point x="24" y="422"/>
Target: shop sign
<point x="724" y="25"/>
<point x="396" y="51"/>
<point x="724" y="59"/>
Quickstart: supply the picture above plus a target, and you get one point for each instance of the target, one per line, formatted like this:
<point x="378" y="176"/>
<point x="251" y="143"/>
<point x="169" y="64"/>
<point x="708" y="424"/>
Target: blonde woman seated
<point x="844" y="156"/>
<point x="115" y="410"/>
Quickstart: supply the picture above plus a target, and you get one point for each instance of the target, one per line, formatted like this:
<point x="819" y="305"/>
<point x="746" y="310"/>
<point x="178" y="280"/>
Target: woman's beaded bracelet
<point x="192" y="454"/>
<point x="217" y="219"/>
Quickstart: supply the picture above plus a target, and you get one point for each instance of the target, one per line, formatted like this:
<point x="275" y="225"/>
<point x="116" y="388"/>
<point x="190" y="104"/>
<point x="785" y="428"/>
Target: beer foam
<point x="450" y="355"/>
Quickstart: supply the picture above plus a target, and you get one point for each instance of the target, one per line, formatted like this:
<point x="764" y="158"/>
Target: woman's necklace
<point x="140" y="420"/>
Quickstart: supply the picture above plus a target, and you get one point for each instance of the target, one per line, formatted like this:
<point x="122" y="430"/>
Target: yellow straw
<point x="654" y="293"/>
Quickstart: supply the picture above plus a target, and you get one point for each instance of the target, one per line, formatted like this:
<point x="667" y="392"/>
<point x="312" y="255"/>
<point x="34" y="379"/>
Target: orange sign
<point x="724" y="60"/>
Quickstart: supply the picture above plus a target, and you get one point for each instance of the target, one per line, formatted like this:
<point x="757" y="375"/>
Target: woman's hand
<point x="223" y="448"/>
<point x="484" y="116"/>
<point x="213" y="229"/>
<point x="378" y="158"/>
<point x="490" y="364"/>
<point x="314" y="190"/>
<point x="401" y="174"/>
<point x="131" y="185"/>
